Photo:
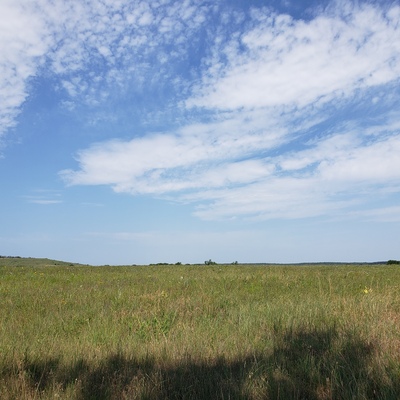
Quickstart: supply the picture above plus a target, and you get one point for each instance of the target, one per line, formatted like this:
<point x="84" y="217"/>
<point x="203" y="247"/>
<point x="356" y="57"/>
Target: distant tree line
<point x="391" y="262"/>
<point x="164" y="263"/>
<point x="10" y="257"/>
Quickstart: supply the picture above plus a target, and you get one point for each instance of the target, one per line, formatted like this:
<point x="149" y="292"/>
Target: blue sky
<point x="136" y="132"/>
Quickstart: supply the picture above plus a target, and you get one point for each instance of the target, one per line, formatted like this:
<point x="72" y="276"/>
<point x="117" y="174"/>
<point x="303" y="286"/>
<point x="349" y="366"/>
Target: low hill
<point x="32" y="262"/>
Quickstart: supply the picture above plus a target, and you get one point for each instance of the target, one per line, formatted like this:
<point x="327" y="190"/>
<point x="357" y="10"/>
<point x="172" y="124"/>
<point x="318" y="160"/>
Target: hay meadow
<point x="199" y="331"/>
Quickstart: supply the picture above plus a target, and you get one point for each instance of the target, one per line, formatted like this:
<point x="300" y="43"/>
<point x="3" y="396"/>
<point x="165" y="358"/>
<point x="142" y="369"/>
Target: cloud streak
<point x="270" y="144"/>
<point x="274" y="116"/>
<point x="24" y="40"/>
<point x="94" y="49"/>
<point x="293" y="63"/>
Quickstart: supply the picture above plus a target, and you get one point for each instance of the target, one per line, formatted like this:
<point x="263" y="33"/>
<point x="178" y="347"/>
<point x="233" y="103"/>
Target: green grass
<point x="198" y="332"/>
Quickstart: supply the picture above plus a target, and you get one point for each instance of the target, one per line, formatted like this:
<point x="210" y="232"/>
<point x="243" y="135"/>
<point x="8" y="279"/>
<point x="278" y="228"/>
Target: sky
<point x="137" y="132"/>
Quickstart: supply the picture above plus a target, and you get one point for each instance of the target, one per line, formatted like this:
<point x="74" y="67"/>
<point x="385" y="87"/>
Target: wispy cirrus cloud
<point x="93" y="49"/>
<point x="283" y="62"/>
<point x="194" y="157"/>
<point x="44" y="201"/>
<point x="331" y="174"/>
<point x="128" y="46"/>
<point x="382" y="214"/>
<point x="261" y="98"/>
<point x="24" y="40"/>
<point x="335" y="176"/>
<point x="270" y="144"/>
<point x="44" y="197"/>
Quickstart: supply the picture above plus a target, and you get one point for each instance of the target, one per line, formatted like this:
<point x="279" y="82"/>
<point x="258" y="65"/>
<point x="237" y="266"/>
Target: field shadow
<point x="320" y="364"/>
<point x="304" y="364"/>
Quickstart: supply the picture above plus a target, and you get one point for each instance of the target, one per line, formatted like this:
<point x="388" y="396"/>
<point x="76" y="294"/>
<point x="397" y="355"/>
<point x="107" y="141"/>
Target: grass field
<point x="198" y="332"/>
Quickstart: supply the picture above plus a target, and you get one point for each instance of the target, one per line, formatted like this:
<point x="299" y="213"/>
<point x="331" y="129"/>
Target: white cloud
<point x="44" y="197"/>
<point x="24" y="41"/>
<point x="266" y="142"/>
<point x="375" y="163"/>
<point x="261" y="157"/>
<point x="338" y="184"/>
<point x="44" y="201"/>
<point x="196" y="156"/>
<point x="287" y="62"/>
<point x="72" y="39"/>
<point x="383" y="214"/>
<point x="332" y="175"/>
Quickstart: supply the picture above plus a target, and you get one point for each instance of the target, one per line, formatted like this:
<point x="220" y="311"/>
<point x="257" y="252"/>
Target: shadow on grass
<point x="303" y="364"/>
<point x="315" y="364"/>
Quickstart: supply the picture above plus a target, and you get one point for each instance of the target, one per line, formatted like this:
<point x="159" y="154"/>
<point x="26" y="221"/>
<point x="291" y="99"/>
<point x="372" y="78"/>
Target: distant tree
<point x="392" y="262"/>
<point x="178" y="263"/>
<point x="210" y="262"/>
<point x="158" y="264"/>
<point x="235" y="263"/>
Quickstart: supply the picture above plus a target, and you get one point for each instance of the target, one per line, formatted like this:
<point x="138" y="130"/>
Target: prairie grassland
<point x="199" y="332"/>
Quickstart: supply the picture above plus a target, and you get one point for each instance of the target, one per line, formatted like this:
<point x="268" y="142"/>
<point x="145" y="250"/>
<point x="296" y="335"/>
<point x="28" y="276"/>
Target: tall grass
<point x="199" y="332"/>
